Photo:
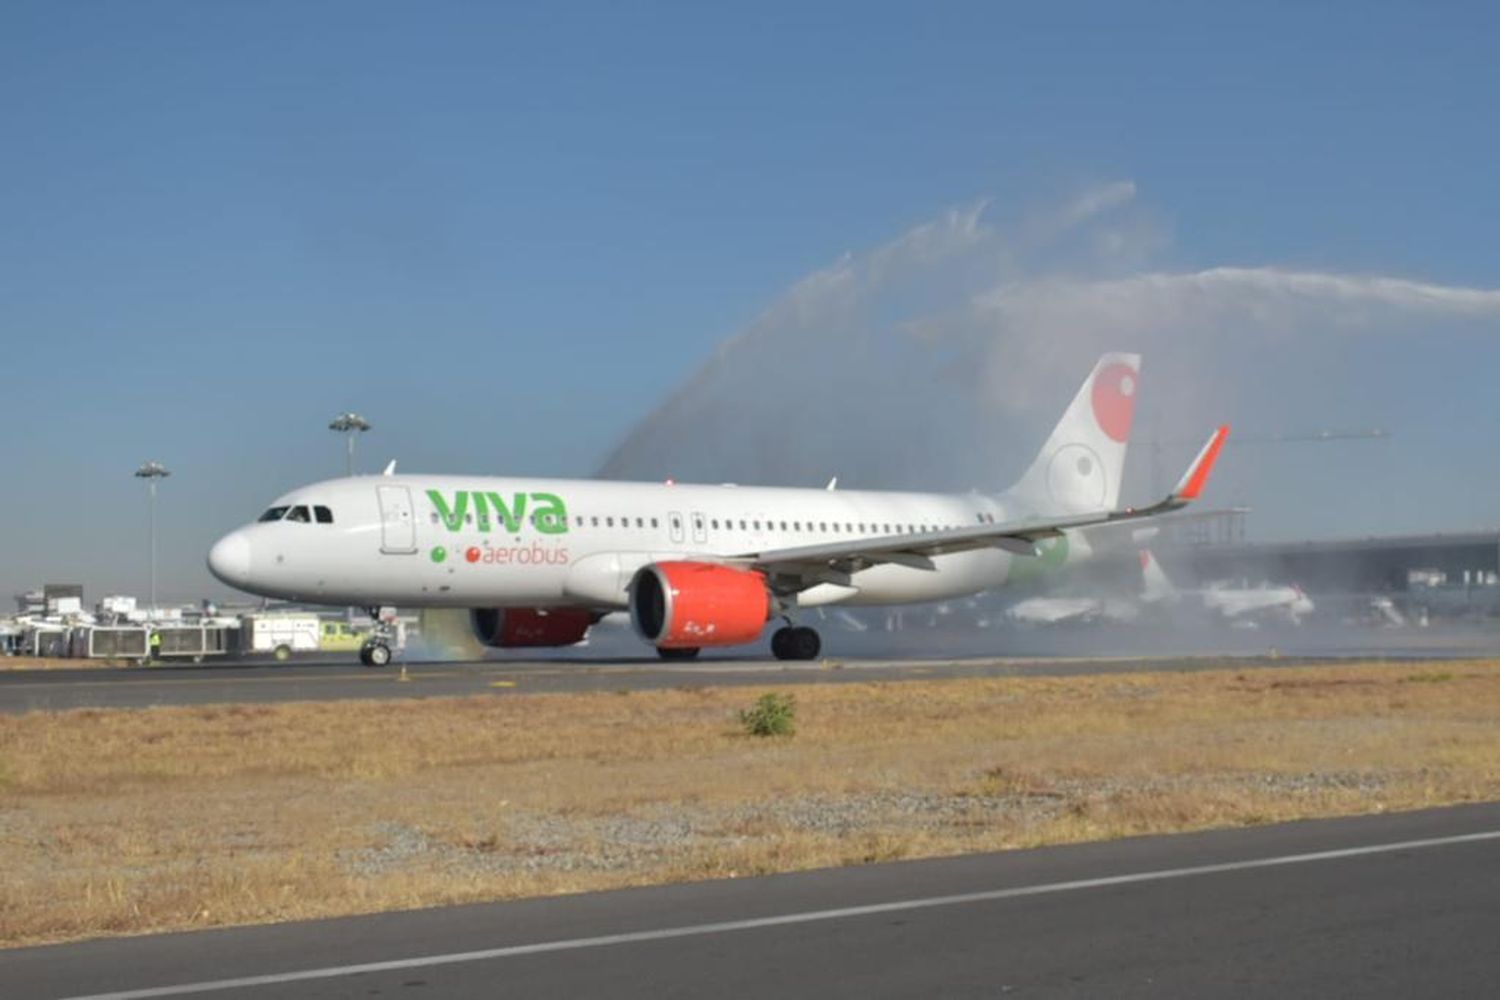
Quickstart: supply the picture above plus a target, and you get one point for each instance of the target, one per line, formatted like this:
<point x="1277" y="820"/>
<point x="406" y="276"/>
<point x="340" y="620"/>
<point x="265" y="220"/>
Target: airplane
<point x="1240" y="605"/>
<point x="1045" y="610"/>
<point x="539" y="561"/>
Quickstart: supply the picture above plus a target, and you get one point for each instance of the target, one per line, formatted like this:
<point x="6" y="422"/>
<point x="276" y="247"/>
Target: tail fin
<point x="1157" y="586"/>
<point x="1080" y="467"/>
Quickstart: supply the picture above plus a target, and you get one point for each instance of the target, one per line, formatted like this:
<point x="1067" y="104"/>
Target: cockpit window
<point x="299" y="513"/>
<point x="275" y="514"/>
<point x="323" y="514"/>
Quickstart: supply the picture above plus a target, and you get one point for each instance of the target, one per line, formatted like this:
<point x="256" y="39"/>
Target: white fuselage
<point x="1241" y="602"/>
<point x="473" y="541"/>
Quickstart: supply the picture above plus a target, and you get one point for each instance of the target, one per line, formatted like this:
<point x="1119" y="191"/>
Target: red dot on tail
<point x="1114" y="400"/>
<point x="472" y="555"/>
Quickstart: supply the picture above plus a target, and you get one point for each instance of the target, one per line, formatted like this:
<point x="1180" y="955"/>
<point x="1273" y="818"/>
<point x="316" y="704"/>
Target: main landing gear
<point x="796" y="642"/>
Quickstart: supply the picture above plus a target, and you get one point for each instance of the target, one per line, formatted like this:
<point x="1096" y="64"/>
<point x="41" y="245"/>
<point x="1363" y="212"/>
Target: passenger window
<point x="300" y="515"/>
<point x="783" y="525"/>
<point x="609" y="522"/>
<point x="822" y="525"/>
<point x="742" y="524"/>
<point x="653" y="522"/>
<point x="323" y="514"/>
<point x="835" y="527"/>
<point x="757" y="525"/>
<point x="593" y="522"/>
<point x="274" y="514"/>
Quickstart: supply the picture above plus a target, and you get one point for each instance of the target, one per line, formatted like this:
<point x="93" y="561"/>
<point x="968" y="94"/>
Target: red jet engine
<point x="507" y="628"/>
<point x="688" y="605"/>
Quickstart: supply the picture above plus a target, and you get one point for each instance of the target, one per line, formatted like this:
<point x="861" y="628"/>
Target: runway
<point x="1384" y="906"/>
<point x="615" y="661"/>
<point x="329" y="680"/>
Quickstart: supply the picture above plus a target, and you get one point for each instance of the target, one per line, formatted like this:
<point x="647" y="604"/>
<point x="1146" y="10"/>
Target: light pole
<point x="349" y="424"/>
<point x="151" y="472"/>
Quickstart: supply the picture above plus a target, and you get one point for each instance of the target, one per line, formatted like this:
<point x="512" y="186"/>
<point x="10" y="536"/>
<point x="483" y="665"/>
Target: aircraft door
<point x="398" y="526"/>
<point x="700" y="528"/>
<point x="674" y="522"/>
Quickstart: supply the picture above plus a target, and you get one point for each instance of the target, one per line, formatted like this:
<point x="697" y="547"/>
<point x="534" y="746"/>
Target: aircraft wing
<point x="834" y="562"/>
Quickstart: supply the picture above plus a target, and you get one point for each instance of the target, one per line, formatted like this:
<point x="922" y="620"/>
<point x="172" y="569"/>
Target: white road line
<point x="781" y="920"/>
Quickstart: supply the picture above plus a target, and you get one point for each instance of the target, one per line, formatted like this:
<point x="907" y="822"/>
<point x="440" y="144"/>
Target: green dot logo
<point x="439" y="554"/>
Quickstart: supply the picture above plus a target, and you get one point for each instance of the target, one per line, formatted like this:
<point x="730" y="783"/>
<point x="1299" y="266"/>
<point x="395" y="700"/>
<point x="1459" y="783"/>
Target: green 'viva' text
<point x="545" y="511"/>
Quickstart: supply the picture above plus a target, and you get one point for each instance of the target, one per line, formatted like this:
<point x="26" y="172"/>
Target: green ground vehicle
<point x="338" y="637"/>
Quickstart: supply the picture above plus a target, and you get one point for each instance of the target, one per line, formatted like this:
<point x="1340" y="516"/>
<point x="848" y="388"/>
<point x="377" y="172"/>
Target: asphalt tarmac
<point x="616" y="661"/>
<point x="1383" y="906"/>
<point x="334" y="679"/>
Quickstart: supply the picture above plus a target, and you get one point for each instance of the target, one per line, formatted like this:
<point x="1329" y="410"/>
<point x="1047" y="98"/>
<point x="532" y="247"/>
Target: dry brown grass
<point x="127" y="821"/>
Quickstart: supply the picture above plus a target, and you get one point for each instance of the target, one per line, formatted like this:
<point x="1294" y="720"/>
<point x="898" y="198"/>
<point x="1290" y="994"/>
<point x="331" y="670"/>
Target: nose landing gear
<point x="376" y="651"/>
<point x="796" y="642"/>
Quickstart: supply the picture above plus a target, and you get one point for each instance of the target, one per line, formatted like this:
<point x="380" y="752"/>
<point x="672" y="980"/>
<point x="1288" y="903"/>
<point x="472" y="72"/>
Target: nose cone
<point x="229" y="559"/>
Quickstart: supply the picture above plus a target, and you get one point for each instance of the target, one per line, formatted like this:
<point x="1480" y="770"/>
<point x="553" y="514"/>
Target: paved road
<point x="1387" y="906"/>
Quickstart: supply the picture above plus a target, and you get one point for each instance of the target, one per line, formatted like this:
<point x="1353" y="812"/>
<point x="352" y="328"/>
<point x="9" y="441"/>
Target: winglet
<point x="390" y="470"/>
<point x="1190" y="487"/>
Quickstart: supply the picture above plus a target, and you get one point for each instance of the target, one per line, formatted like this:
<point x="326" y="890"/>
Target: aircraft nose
<point x="229" y="559"/>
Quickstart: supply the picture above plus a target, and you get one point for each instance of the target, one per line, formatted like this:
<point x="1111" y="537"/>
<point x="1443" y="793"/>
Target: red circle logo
<point x="1114" y="400"/>
<point x="472" y="554"/>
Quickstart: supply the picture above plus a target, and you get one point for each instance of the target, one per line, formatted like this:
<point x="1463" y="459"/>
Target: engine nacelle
<point x="507" y="628"/>
<point x="681" y="605"/>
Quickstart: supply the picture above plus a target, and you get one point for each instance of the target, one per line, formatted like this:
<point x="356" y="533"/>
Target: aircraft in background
<point x="538" y="561"/>
<point x="1065" y="610"/>
<point x="1234" y="604"/>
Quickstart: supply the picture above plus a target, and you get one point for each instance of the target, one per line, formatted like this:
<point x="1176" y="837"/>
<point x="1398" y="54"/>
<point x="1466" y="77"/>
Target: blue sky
<point x="504" y="233"/>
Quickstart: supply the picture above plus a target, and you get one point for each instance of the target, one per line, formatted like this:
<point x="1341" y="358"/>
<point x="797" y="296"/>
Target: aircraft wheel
<point x="803" y="644"/>
<point x="677" y="653"/>
<point x="375" y="654"/>
<point x="781" y="643"/>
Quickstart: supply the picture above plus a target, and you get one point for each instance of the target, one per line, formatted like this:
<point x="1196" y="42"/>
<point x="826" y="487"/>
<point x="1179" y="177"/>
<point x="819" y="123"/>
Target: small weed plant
<point x="772" y="715"/>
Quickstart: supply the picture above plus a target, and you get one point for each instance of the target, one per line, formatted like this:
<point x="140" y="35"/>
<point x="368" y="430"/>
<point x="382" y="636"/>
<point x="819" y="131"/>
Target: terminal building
<point x="1214" y="548"/>
<point x="1448" y="574"/>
